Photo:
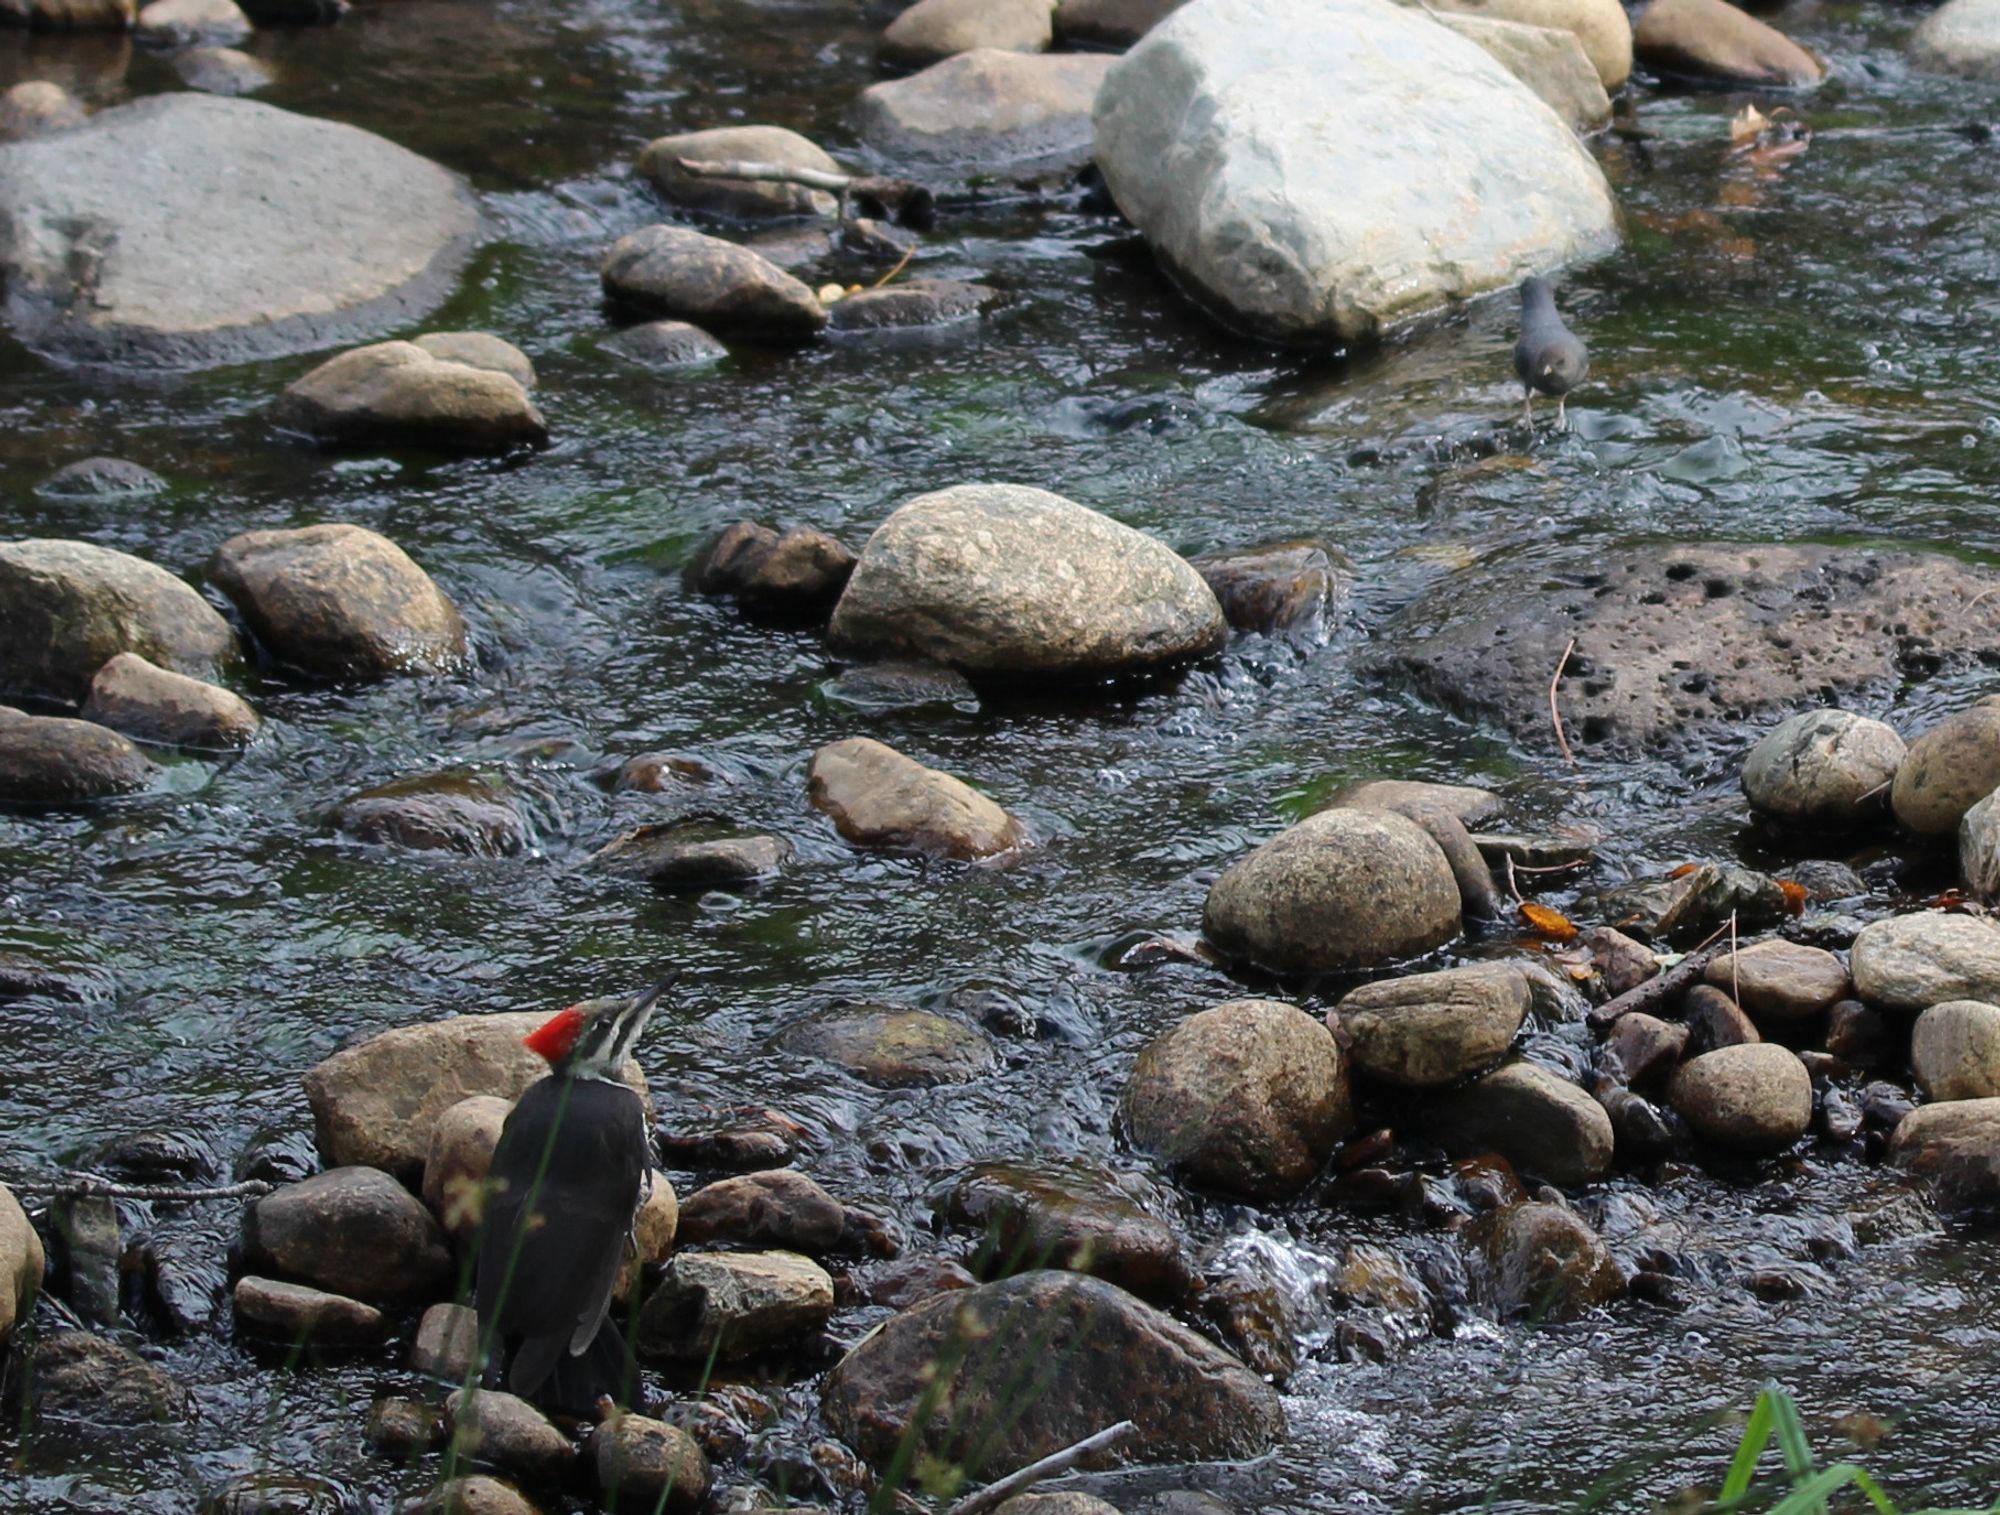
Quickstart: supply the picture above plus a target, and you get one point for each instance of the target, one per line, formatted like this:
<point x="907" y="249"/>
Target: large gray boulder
<point x="1246" y="140"/>
<point x="67" y="608"/>
<point x="1962" y="37"/>
<point x="1003" y="578"/>
<point x="109" y="234"/>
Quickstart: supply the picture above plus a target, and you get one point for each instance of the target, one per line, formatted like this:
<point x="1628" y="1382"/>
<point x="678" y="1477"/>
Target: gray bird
<point x="1548" y="357"/>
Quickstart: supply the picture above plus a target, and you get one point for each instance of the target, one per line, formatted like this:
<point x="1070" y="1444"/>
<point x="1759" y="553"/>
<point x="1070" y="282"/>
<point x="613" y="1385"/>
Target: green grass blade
<point x="1810" y="1496"/>
<point x="1743" y="1466"/>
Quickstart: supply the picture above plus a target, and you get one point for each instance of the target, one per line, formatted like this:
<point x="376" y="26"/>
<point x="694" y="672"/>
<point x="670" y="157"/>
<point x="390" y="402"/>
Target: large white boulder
<point x="1316" y="171"/>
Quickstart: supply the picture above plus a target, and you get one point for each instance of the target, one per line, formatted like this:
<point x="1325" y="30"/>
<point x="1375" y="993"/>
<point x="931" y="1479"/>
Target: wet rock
<point x="672" y="271"/>
<point x="901" y="686"/>
<point x="155" y="704"/>
<point x="1948" y="770"/>
<point x="90" y="1250"/>
<point x="1679" y="638"/>
<point x="454" y="811"/>
<point x="1855" y="1034"/>
<point x="375" y="1104"/>
<point x="1956" y="1145"/>
<point x="781" y="1208"/>
<point x="21" y="1263"/>
<point x="401" y="394"/>
<point x="648" y="1466"/>
<point x="474" y="1495"/>
<point x="1024" y="1390"/>
<point x="49" y="761"/>
<point x="1432" y="1029"/>
<point x="1240" y="140"/>
<point x="459" y="1158"/>
<point x="80" y="1377"/>
<point x="986" y="110"/>
<point x="1641" y="1130"/>
<point x="793" y="575"/>
<point x="1642" y="1049"/>
<point x="1955" y="1050"/>
<point x="100" y="479"/>
<point x="340" y="601"/>
<point x="403" y="1428"/>
<point x="1962" y="37"/>
<point x="935" y="29"/>
<point x="447" y="1343"/>
<point x="1621" y="962"/>
<point x="1780" y="980"/>
<point x="674" y="855"/>
<point x="663" y="773"/>
<point x="299" y="1316"/>
<point x="1755" y="1098"/>
<point x="503" y="1431"/>
<point x="736" y="199"/>
<point x="481" y="350"/>
<point x="666" y="344"/>
<point x="1826" y="880"/>
<point x="1695" y="903"/>
<point x="353" y="1231"/>
<point x="1472" y="806"/>
<point x="1286" y="586"/>
<point x="1711" y="39"/>
<point x="1341" y="889"/>
<point x="1006" y="579"/>
<point x="1824" y="767"/>
<point x="36" y="107"/>
<point x="223" y="71"/>
<point x="900" y="1284"/>
<point x="1715" y="1020"/>
<point x="1911" y="962"/>
<point x="734" y="1305"/>
<point x="894" y="1048"/>
<point x="915" y="302"/>
<point x="877" y="797"/>
<point x="66" y="608"/>
<point x="183" y="23"/>
<point x="1599" y="26"/>
<point x="1979" y="848"/>
<point x="1549" y="60"/>
<point x="333" y="233"/>
<point x="1072" y="1216"/>
<point x="1545" y="1262"/>
<point x="736" y="1141"/>
<point x="1248" y="1097"/>
<point x="1540" y="1123"/>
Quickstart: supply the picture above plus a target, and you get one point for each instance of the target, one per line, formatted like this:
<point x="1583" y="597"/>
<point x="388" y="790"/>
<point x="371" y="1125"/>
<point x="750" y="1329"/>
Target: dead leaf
<point x="1796" y="895"/>
<point x="1683" y="871"/>
<point x="1747" y="124"/>
<point x="1548" y="922"/>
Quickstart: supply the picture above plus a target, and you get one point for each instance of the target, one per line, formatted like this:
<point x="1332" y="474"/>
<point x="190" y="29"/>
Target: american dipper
<point x="1548" y="357"/>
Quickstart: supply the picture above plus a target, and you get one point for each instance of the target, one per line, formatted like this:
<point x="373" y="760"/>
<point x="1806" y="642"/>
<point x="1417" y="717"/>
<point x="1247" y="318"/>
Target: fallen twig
<point x="1664" y="984"/>
<point x="903" y="201"/>
<point x="83" y="1186"/>
<point x="1555" y="714"/>
<point x="1001" y="1490"/>
<point x="901" y="264"/>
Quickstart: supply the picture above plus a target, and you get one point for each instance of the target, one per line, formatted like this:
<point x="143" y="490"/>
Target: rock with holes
<point x="1823" y="767"/>
<point x="1427" y="1030"/>
<point x="1673" y="642"/>
<point x="1962" y="37"/>
<point x="1911" y="962"/>
<point x="738" y="199"/>
<point x="986" y="110"/>
<point x="1712" y="39"/>
<point x="1948" y="770"/>
<point x="727" y="1306"/>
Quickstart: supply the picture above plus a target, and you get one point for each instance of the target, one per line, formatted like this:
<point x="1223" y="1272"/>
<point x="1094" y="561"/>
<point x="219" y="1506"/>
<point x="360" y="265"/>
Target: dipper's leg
<point x="1527" y="405"/>
<point x="1562" y="420"/>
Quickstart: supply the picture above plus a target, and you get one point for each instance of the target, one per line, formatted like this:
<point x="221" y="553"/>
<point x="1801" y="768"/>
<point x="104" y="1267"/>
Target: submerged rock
<point x="333" y="232"/>
<point x="1675" y="640"/>
<point x="1036" y="1363"/>
<point x="21" y="1263"/>
<point x="644" y="1465"/>
<point x="49" y="761"/>
<point x="986" y="110"/>
<point x="353" y="1231"/>
<point x="1823" y="767"/>
<point x="677" y="855"/>
<point x="1341" y="889"/>
<point x="894" y="1048"/>
<point x="738" y="199"/>
<point x="101" y="479"/>
<point x="1427" y="1030"/>
<point x="80" y="1377"/>
<point x="1955" y="1050"/>
<point x="1961" y="37"/>
<point x="1911" y="962"/>
<point x="1241" y="137"/>
<point x="1002" y="578"/>
<point x="1540" y="1123"/>
<point x="403" y="394"/>
<point x="916" y="302"/>
<point x="454" y="811"/>
<point x="666" y="344"/>
<point x="503" y="1431"/>
<point x="901" y="686"/>
<point x="793" y="575"/>
<point x="403" y="1428"/>
<point x="155" y="704"/>
<point x="1711" y="39"/>
<point x="300" y="1316"/>
<point x="67" y="608"/>
<point x="1754" y="1098"/>
<point x="1286" y="586"/>
<point x="340" y="601"/>
<point x="1599" y="27"/>
<point x="1948" y="770"/>
<point x="877" y="797"/>
<point x="672" y="271"/>
<point x="223" y="71"/>
<point x="1248" y="1097"/>
<point x="725" y="1306"/>
<point x="1545" y="1262"/>
<point x="1072" y="1216"/>
<point x="780" y="1208"/>
<point x="935" y="29"/>
<point x="37" y="107"/>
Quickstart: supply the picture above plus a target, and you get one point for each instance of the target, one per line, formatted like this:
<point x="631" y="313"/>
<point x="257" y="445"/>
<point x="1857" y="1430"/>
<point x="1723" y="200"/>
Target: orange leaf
<point x="1684" y="870"/>
<point x="1796" y="895"/>
<point x="1547" y="922"/>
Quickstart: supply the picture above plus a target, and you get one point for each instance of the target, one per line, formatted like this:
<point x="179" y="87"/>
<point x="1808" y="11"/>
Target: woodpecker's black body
<point x="1548" y="357"/>
<point x="568" y="1175"/>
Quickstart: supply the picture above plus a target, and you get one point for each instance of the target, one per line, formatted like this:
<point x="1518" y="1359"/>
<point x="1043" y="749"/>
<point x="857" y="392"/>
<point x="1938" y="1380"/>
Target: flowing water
<point x="1808" y="355"/>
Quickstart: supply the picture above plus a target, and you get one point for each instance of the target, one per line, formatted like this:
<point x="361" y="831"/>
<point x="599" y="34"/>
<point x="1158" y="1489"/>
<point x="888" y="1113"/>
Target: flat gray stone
<point x="987" y="109"/>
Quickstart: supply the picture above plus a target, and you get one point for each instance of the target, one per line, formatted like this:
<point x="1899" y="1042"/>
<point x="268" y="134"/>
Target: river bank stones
<point x="1962" y="37"/>
<point x="1979" y="849"/>
<point x="155" y="704"/>
<point x="877" y="797"/>
<point x="1248" y="1097"/>
<point x="935" y="29"/>
<point x="1948" y="770"/>
<point x="1036" y="1363"/>
<point x="642" y="1464"/>
<point x="21" y="1263"/>
<point x="67" y="608"/>
<point x="719" y="286"/>
<point x="1822" y="767"/>
<point x="1711" y="39"/>
<point x="51" y="761"/>
<point x="1956" y="1145"/>
<point x="726" y="1306"/>
<point x="986" y="110"/>
<point x="405" y="394"/>
<point x="332" y="232"/>
<point x="454" y="811"/>
<point x="1955" y="1050"/>
<point x="738" y="199"/>
<point x="1599" y="27"/>
<point x="351" y="1231"/>
<point x="1545" y="1262"/>
<point x="780" y="1207"/>
<point x="1006" y="579"/>
<point x="1911" y="962"/>
<point x="1677" y="639"/>
<point x="1072" y="1216"/>
<point x="1432" y="1029"/>
<point x="297" y="1315"/>
<point x="1754" y="1098"/>
<point x="1342" y="889"/>
<point x="1240" y="137"/>
<point x="1548" y="60"/>
<point x="891" y="1047"/>
<point x="340" y="602"/>
<point x="1539" y="1122"/>
<point x="1780" y="980"/>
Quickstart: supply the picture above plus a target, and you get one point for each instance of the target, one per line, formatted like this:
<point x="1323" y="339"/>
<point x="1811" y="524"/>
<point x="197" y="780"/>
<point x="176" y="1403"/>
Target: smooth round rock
<point x="505" y="1431"/>
<point x="401" y="394"/>
<point x="1948" y="770"/>
<point x="667" y="344"/>
<point x="156" y="704"/>
<point x="447" y="1343"/>
<point x="1002" y="578"/>
<point x="1341" y="889"/>
<point x="298" y="1315"/>
<point x="21" y="1263"/>
<point x="1961" y="37"/>
<point x="738" y="199"/>
<point x="460" y="1156"/>
<point x="1911" y="962"/>
<point x="717" y="285"/>
<point x="935" y="29"/>
<point x="340" y="601"/>
<point x="648" y="1465"/>
<point x="1249" y="1097"/>
<point x="1780" y="980"/>
<point x="780" y="1208"/>
<point x="101" y="479"/>
<point x="223" y="71"/>
<point x="1955" y="1050"/>
<point x="985" y="110"/>
<point x="894" y="1048"/>
<point x="1755" y="1098"/>
<point x="50" y="761"/>
<point x="1599" y="26"/>
<point x="877" y="797"/>
<point x="1545" y="1262"/>
<point x="36" y="107"/>
<point x="1956" y="1145"/>
<point x="475" y="1494"/>
<point x="353" y="1231"/>
<point x="183" y="23"/>
<point x="479" y="349"/>
<point x="1711" y="39"/>
<point x="1540" y="1123"/>
<point x="1823" y="767"/>
<point x="1433" y="1029"/>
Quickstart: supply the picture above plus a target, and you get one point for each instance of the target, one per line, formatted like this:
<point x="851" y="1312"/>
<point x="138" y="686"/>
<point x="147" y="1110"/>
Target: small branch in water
<point x="903" y="201"/>
<point x="1555" y="714"/>
<point x="1666" y="983"/>
<point x="901" y="264"/>
<point x="82" y="1186"/>
<point x="1001" y="1490"/>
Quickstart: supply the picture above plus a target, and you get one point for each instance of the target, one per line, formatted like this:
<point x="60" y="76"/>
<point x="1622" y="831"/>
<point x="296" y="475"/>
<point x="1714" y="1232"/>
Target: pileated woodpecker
<point x="568" y="1175"/>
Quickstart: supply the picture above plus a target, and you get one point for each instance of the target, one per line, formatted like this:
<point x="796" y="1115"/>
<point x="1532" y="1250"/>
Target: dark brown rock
<point x="1287" y="586"/>
<point x="1642" y="1049"/>
<point x="782" y="1208"/>
<point x="647" y="1467"/>
<point x="353" y="1231"/>
<point x="300" y="1316"/>
<point x="155" y="704"/>
<point x="50" y="761"/>
<point x="455" y="811"/>
<point x="1714" y="1020"/>
<point x="1072" y="1216"/>
<point x="399" y="1427"/>
<point x="1545" y="1262"/>
<point x="1110" y="23"/>
<point x="680" y="855"/>
<point x="1542" y="1124"/>
<point x="80" y="1377"/>
<point x="793" y="575"/>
